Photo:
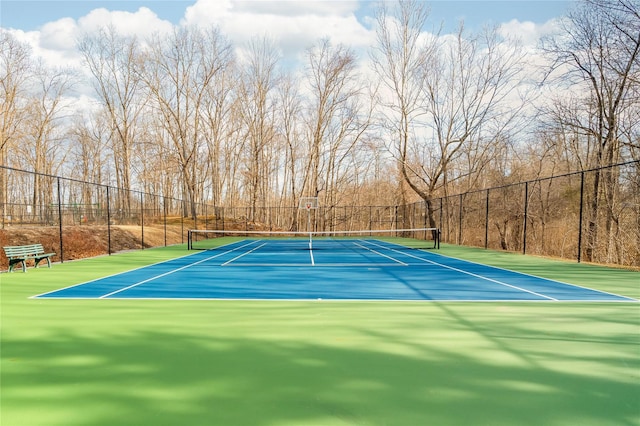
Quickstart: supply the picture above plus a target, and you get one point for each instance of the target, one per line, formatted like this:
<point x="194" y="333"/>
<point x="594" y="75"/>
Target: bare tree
<point x="111" y="59"/>
<point x="473" y="102"/>
<point x="598" y="54"/>
<point x="88" y="135"/>
<point x="290" y="102"/>
<point x="257" y="103"/>
<point x="15" y="70"/>
<point x="336" y="120"/>
<point x="220" y="127"/>
<point x="451" y="98"/>
<point x="88" y="158"/>
<point x="177" y="72"/>
<point x="398" y="60"/>
<point x="43" y="131"/>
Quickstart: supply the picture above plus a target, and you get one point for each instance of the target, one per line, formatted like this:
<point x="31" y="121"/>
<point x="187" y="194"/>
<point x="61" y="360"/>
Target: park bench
<point x="18" y="254"/>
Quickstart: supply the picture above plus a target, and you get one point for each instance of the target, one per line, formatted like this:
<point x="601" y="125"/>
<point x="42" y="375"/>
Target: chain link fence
<point x="590" y="216"/>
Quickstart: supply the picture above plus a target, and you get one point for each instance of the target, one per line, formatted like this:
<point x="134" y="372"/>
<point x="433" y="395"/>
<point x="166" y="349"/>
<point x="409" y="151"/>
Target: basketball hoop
<point x="308" y="203"/>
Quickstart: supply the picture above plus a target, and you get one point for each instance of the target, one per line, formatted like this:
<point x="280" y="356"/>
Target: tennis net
<point x="206" y="239"/>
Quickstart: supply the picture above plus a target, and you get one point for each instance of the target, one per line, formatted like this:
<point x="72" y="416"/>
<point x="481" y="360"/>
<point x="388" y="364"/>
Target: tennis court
<point x="150" y="337"/>
<point x="353" y="268"/>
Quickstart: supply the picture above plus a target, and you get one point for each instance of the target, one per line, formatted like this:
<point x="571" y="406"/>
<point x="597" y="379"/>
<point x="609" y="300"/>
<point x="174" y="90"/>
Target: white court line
<point x="382" y="254"/>
<point x="243" y="254"/>
<point x="468" y="273"/>
<point x="123" y="272"/>
<point x="631" y="299"/>
<point x="359" y="264"/>
<point x="329" y="300"/>
<point x="173" y="271"/>
<point x="317" y="265"/>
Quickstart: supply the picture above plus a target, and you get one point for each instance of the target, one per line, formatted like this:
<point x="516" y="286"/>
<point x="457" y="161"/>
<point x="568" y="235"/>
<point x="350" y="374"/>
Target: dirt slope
<point x="88" y="241"/>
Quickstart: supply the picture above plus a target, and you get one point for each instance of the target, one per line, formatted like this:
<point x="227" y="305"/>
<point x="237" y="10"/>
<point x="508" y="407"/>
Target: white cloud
<point x="297" y="7"/>
<point x="529" y="33"/>
<point x="55" y="42"/>
<point x="208" y="11"/>
<point x="58" y="35"/>
<point x="142" y="23"/>
<point x="293" y="25"/>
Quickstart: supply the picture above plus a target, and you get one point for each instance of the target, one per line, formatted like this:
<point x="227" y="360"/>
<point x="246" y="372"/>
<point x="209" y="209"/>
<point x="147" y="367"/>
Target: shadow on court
<point x="243" y="363"/>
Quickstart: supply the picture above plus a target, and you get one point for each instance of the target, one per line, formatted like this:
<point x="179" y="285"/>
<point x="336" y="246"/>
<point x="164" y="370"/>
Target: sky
<point x="52" y="27"/>
<point x="29" y="15"/>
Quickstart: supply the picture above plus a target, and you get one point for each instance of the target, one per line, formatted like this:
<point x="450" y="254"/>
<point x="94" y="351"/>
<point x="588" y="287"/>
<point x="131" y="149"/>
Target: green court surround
<point x="132" y="362"/>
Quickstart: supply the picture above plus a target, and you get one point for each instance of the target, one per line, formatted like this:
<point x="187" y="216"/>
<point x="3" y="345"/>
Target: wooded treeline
<point x="187" y="116"/>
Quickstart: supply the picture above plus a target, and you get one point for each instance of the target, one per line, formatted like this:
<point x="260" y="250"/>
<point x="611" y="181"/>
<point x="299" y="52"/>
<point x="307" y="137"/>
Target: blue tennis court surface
<point x="357" y="269"/>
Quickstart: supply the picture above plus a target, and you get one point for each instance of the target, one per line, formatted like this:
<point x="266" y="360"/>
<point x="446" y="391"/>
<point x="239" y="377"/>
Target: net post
<point x="189" y="237"/>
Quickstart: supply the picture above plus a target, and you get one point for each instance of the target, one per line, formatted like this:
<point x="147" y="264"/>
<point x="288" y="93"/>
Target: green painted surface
<point x="142" y="362"/>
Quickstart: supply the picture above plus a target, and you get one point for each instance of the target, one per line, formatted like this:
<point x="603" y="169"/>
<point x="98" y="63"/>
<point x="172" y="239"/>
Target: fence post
<point x="395" y="219"/>
<point x="441" y="216"/>
<point x="486" y="222"/>
<point x="526" y="210"/>
<point x="580" y="216"/>
<point x="141" y="220"/>
<point x="108" y="223"/>
<point x="164" y="208"/>
<point x="195" y="216"/>
<point x="460" y="222"/>
<point x="60" y="221"/>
